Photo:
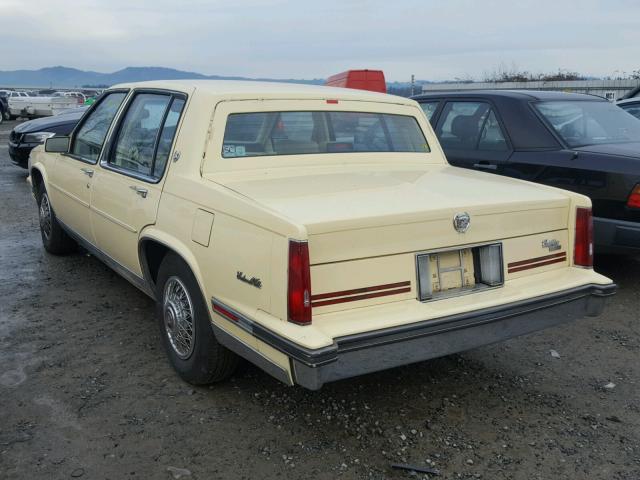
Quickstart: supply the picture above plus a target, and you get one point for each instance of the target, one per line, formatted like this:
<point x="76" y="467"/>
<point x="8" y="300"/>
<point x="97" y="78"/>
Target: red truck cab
<point x="372" y="80"/>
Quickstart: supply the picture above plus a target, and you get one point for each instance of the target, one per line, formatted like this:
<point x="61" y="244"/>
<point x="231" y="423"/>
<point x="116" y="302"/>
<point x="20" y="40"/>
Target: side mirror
<point x="57" y="145"/>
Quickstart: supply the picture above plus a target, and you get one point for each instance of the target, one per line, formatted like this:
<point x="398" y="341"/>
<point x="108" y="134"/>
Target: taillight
<point x="634" y="198"/>
<point x="299" y="290"/>
<point x="583" y="252"/>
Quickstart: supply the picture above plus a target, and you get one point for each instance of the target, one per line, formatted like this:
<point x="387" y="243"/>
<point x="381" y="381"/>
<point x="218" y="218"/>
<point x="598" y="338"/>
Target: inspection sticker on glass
<point x="233" y="150"/>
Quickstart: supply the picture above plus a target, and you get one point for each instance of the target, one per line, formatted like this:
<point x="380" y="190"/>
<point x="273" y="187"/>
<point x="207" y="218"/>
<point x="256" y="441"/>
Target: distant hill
<point x="65" y="77"/>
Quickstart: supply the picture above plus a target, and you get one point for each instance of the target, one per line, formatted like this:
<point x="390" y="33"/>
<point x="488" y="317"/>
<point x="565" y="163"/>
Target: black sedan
<point x="577" y="142"/>
<point x="28" y="135"/>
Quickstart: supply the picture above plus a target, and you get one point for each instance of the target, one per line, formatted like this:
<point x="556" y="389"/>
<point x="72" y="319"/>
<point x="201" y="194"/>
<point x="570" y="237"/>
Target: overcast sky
<point x="435" y="40"/>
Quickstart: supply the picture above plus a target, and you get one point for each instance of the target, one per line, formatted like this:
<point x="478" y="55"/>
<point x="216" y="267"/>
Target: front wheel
<point x="54" y="239"/>
<point x="185" y="327"/>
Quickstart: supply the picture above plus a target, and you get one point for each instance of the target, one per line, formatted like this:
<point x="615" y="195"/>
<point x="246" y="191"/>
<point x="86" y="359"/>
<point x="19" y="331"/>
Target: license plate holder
<point x="445" y="273"/>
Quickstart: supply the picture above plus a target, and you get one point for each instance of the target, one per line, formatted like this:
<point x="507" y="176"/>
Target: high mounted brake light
<point x="299" y="288"/>
<point x="634" y="198"/>
<point x="583" y="252"/>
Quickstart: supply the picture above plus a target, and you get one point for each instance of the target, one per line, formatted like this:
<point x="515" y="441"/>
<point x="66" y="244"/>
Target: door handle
<point x="87" y="171"/>
<point x="139" y="190"/>
<point x="485" y="166"/>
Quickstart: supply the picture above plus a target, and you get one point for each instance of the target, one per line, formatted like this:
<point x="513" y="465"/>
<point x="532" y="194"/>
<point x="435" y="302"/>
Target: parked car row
<point x="41" y="104"/>
<point x="320" y="232"/>
<point x="577" y="142"/>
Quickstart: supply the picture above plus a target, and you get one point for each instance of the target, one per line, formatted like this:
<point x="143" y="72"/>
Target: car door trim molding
<point x="114" y="220"/>
<point x="69" y="194"/>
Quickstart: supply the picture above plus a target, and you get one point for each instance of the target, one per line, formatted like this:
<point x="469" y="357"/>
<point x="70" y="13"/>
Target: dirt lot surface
<point x="86" y="390"/>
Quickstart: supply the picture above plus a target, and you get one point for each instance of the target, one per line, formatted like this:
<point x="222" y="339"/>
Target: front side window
<point x="305" y="132"/>
<point x="146" y="134"/>
<point x="581" y="123"/>
<point x="88" y="142"/>
<point x="632" y="108"/>
<point x="429" y="108"/>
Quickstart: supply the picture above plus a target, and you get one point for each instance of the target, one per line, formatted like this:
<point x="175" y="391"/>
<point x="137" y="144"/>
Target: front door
<point x="72" y="178"/>
<point x="129" y="182"/>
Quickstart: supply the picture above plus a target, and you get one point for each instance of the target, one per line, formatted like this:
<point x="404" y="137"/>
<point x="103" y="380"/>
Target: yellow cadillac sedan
<point x="317" y="232"/>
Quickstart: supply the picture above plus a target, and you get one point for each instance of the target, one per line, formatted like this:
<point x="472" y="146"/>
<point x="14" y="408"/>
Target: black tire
<point x="54" y="238"/>
<point x="202" y="360"/>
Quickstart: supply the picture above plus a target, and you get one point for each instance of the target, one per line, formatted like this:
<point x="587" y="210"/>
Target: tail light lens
<point x="634" y="198"/>
<point x="583" y="252"/>
<point x="299" y="290"/>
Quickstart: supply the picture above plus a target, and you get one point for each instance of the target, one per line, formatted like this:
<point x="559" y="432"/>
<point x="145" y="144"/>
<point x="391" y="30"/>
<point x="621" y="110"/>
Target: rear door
<point x="73" y="176"/>
<point x="471" y="135"/>
<point x="129" y="182"/>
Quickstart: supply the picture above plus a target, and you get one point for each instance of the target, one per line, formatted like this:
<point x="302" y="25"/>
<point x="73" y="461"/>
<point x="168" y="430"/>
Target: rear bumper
<point x="378" y="350"/>
<point x="616" y="236"/>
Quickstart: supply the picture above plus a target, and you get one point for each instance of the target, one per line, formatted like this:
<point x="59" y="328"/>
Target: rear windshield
<point x="307" y="132"/>
<point x="582" y="123"/>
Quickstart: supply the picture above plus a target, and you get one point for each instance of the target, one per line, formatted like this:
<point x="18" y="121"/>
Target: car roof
<point x="229" y="89"/>
<point x="525" y="95"/>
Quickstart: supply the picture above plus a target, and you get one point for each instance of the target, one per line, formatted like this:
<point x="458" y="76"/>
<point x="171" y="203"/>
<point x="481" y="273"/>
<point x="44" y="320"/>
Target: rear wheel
<point x="54" y="238"/>
<point x="185" y="327"/>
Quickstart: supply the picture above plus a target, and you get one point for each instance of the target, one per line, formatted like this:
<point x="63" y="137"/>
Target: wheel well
<point x="152" y="253"/>
<point x="37" y="182"/>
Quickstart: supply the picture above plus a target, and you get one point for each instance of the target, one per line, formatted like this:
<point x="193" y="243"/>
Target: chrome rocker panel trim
<point x="382" y="349"/>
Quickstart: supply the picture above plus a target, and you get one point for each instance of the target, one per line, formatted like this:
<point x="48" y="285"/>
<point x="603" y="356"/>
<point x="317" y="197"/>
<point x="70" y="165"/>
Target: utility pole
<point x="413" y="81"/>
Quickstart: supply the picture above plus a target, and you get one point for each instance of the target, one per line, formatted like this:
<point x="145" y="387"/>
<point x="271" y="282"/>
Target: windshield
<point x="581" y="123"/>
<point x="308" y="132"/>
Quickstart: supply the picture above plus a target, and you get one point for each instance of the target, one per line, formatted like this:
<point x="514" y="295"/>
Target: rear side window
<point x="633" y="109"/>
<point x="491" y="137"/>
<point x="304" y="132"/>
<point x="470" y="126"/>
<point x="88" y="142"/>
<point x="166" y="136"/>
<point x="429" y="108"/>
<point x="146" y="134"/>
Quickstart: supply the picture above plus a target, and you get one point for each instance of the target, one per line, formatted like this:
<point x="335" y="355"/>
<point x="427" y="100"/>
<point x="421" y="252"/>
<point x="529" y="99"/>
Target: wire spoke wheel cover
<point x="177" y="310"/>
<point x="45" y="216"/>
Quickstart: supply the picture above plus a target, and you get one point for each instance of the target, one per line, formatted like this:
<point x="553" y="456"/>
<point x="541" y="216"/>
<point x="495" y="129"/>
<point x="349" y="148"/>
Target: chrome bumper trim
<point x="367" y="352"/>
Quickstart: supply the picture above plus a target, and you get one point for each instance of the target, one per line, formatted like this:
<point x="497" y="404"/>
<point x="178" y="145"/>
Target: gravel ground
<point x="86" y="390"/>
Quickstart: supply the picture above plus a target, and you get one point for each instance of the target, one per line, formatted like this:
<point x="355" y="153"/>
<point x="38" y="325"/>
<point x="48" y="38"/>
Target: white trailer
<point x="39" y="106"/>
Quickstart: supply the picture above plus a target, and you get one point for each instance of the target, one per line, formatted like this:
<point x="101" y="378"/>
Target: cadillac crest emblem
<point x="461" y="222"/>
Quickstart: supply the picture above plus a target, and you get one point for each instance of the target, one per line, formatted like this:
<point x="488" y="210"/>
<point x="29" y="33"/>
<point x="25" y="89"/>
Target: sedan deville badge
<point x="552" y="244"/>
<point x="461" y="222"/>
<point x="254" y="281"/>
